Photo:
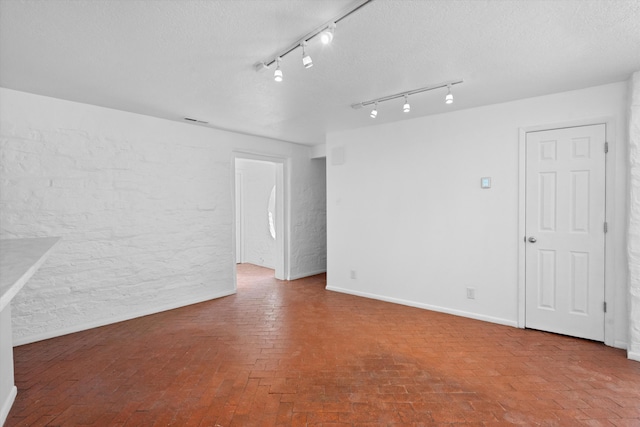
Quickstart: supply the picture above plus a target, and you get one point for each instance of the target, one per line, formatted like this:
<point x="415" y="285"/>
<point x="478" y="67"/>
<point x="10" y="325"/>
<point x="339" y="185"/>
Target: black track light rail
<point x="312" y="34"/>
<point x="407" y="93"/>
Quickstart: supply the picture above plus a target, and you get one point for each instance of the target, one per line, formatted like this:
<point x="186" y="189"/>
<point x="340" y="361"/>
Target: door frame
<point x="283" y="210"/>
<point x="239" y="208"/>
<point x="609" y="252"/>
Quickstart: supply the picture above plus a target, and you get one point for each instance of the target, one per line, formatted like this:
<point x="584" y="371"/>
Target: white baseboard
<point x="633" y="356"/>
<point x="620" y="344"/>
<point x="461" y="313"/>
<point x="307" y="274"/>
<point x="7" y="404"/>
<point x="17" y="341"/>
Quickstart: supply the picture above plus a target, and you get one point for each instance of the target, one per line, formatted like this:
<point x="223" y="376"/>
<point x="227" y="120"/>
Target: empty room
<point x="319" y="212"/>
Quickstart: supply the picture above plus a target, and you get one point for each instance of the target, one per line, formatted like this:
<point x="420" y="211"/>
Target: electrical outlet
<point x="354" y="274"/>
<point x="471" y="293"/>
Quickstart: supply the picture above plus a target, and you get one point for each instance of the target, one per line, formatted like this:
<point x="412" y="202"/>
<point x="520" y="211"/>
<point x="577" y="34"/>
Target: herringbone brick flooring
<point x="294" y="354"/>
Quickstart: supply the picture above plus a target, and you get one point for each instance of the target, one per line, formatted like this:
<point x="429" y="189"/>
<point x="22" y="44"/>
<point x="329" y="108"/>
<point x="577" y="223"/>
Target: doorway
<point x="565" y="200"/>
<point x="260" y="219"/>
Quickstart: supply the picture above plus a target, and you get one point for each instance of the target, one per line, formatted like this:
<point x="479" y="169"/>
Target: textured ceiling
<point x="194" y="58"/>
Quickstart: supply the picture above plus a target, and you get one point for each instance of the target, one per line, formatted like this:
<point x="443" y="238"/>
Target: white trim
<point x="620" y="344"/>
<point x="633" y="356"/>
<point x="7" y="404"/>
<point x="307" y="274"/>
<point x="460" y="313"/>
<point x="121" y="318"/>
<point x="239" y="187"/>
<point x="610" y="208"/>
<point x="522" y="206"/>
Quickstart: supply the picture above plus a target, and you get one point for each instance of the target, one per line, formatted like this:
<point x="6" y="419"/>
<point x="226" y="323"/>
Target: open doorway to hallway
<point x="260" y="195"/>
<point x="250" y="276"/>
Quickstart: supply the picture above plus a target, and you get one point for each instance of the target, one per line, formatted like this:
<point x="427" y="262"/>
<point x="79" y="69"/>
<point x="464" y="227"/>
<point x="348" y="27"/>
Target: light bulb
<point x="374" y="112"/>
<point x="306" y="59"/>
<point x="406" y="107"/>
<point x="449" y="98"/>
<point x="277" y="75"/>
<point x="327" y="35"/>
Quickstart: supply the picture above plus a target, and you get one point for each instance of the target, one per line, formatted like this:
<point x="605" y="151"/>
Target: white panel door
<point x="565" y="215"/>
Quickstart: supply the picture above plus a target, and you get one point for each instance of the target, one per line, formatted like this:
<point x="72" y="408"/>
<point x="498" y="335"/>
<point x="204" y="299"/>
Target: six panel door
<point x="565" y="216"/>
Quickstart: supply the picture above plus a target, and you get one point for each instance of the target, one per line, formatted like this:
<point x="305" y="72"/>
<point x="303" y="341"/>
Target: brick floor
<point x="294" y="354"/>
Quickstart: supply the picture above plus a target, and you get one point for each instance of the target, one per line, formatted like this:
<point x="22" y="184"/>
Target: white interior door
<point x="565" y="226"/>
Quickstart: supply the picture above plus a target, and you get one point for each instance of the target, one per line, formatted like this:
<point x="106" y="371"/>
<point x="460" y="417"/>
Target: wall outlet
<point x="354" y="274"/>
<point x="471" y="293"/>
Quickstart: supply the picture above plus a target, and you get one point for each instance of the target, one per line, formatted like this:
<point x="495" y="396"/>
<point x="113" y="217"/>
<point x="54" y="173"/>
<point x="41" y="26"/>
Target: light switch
<point x="485" y="182"/>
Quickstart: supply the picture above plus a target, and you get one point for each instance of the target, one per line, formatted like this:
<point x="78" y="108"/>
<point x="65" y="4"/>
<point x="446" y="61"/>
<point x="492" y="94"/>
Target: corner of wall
<point x="319" y="151"/>
<point x="633" y="236"/>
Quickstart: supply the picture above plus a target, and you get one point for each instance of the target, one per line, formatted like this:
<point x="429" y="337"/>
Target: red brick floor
<point x="294" y="354"/>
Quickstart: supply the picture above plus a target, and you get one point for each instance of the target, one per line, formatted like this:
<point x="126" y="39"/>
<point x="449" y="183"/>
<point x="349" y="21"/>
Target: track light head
<point x="449" y="98"/>
<point x="306" y="59"/>
<point x="277" y="74"/>
<point x="406" y="107"/>
<point x="326" y="31"/>
<point x="327" y="35"/>
<point x="374" y="112"/>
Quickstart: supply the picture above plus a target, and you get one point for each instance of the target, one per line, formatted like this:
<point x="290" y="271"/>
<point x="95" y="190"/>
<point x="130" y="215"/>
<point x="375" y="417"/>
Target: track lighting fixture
<point x="327" y="35"/>
<point x="306" y="59"/>
<point x="449" y="98"/>
<point x="407" y="107"/>
<point x="277" y="75"/>
<point x="374" y="112"/>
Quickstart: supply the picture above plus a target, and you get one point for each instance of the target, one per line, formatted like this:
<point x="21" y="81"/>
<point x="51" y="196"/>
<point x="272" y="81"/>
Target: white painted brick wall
<point x="309" y="219"/>
<point x="143" y="206"/>
<point x="634" y="219"/>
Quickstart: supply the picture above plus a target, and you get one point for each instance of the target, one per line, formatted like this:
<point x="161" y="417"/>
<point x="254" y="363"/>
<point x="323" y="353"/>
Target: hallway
<point x="294" y="354"/>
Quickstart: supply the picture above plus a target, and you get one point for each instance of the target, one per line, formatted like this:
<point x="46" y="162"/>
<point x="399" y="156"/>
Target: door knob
<point x="533" y="239"/>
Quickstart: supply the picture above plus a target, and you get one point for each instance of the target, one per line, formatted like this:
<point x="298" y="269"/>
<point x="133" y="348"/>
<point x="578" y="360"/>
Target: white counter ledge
<point x="19" y="260"/>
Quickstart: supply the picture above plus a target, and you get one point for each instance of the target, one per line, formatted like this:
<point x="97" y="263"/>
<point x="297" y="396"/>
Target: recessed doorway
<point x="260" y="214"/>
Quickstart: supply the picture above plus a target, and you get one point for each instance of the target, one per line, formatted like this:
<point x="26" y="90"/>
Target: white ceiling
<point x="194" y="58"/>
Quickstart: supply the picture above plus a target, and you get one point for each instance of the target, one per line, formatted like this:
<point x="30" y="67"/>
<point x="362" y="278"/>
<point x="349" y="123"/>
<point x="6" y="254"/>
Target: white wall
<point x="313" y="197"/>
<point x="258" y="179"/>
<point x="406" y="214"/>
<point x="634" y="218"/>
<point x="143" y="206"/>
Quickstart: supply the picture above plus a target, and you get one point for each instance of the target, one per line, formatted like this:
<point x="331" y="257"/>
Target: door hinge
<point x="606" y="227"/>
<point x="606" y="147"/>
<point x="604" y="306"/>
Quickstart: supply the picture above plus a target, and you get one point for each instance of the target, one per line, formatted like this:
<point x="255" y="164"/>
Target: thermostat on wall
<point x="485" y="182"/>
